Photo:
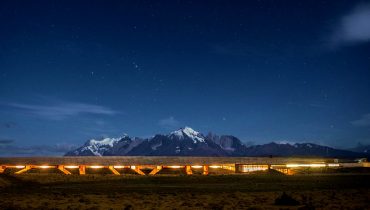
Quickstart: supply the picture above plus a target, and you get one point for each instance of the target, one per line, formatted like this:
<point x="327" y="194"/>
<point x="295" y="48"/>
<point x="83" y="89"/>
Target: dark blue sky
<point x="263" y="71"/>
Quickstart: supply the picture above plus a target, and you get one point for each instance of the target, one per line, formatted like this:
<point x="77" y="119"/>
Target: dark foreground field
<point x="56" y="191"/>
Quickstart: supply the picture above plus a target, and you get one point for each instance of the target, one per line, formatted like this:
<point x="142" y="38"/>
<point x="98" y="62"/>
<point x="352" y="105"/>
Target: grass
<point x="57" y="191"/>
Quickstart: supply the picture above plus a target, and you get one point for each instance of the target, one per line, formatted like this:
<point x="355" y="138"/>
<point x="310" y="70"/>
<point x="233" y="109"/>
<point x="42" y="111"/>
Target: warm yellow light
<point x="296" y="165"/>
<point x="19" y="166"/>
<point x="215" y="166"/>
<point x="133" y="167"/>
<point x="174" y="166"/>
<point x="317" y="165"/>
<point x="228" y="167"/>
<point x="96" y="167"/>
<point x="118" y="166"/>
<point x="71" y="166"/>
<point x="43" y="167"/>
<point x="197" y="166"/>
<point x="333" y="165"/>
<point x="312" y="165"/>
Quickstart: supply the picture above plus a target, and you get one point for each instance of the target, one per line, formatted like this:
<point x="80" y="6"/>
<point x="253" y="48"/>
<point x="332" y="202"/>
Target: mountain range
<point x="188" y="142"/>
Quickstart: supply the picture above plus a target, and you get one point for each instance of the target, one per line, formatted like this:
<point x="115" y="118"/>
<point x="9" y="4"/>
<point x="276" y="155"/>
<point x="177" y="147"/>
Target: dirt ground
<point x="57" y="191"/>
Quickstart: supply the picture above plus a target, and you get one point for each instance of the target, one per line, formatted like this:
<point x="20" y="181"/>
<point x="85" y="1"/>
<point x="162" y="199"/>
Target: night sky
<point x="295" y="71"/>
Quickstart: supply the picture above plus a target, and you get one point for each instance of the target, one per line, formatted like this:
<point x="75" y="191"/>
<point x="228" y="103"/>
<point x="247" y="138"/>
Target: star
<point x="136" y="66"/>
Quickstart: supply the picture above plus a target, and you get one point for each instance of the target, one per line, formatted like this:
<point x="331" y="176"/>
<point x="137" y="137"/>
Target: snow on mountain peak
<point x="189" y="132"/>
<point x="286" y="142"/>
<point x="188" y="142"/>
<point x="105" y="141"/>
<point x="97" y="147"/>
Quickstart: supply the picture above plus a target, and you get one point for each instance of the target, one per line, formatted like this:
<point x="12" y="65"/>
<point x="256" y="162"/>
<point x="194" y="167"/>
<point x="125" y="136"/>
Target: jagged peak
<point x="189" y="132"/>
<point x="105" y="141"/>
<point x="227" y="145"/>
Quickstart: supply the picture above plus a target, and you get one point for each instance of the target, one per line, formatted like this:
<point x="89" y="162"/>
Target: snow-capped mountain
<point x="106" y="146"/>
<point x="188" y="142"/>
<point x="183" y="142"/>
<point x="187" y="132"/>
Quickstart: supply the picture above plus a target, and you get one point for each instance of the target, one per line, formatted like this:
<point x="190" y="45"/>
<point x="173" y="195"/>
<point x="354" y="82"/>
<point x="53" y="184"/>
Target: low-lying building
<point x="149" y="165"/>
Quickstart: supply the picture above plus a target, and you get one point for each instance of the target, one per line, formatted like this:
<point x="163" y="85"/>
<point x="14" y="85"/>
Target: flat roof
<point x="155" y="160"/>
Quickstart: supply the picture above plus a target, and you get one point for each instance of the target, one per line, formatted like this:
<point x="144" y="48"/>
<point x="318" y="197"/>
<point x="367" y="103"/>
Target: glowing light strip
<point x="44" y="167"/>
<point x="174" y="166"/>
<point x="96" y="167"/>
<point x="119" y="166"/>
<point x="215" y="166"/>
<point x="197" y="166"/>
<point x="333" y="165"/>
<point x="71" y="166"/>
<point x="19" y="166"/>
<point x="312" y="165"/>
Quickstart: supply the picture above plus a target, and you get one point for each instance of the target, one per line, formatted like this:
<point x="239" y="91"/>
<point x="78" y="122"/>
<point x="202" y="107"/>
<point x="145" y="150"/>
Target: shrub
<point x="286" y="200"/>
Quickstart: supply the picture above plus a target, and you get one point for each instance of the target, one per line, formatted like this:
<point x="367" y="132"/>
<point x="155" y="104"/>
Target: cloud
<point x="353" y="28"/>
<point x="6" y="141"/>
<point x="8" y="125"/>
<point x="364" y="121"/>
<point x="169" y="123"/>
<point x="63" y="110"/>
<point x="53" y="150"/>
